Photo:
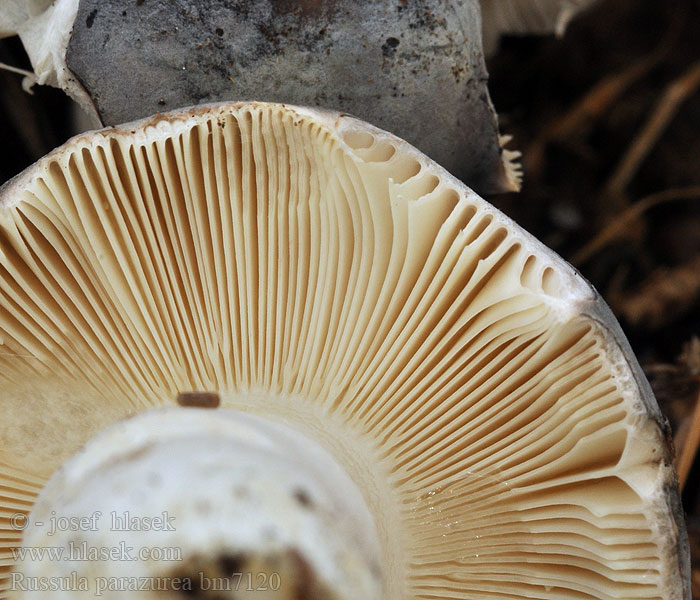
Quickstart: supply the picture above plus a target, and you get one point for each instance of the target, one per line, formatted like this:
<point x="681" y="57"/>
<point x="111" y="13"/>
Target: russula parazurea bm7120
<point x="465" y="386"/>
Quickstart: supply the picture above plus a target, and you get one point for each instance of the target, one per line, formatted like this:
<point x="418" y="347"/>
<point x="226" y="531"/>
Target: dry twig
<point x="688" y="446"/>
<point x="589" y="108"/>
<point x="672" y="98"/>
<point x="619" y="226"/>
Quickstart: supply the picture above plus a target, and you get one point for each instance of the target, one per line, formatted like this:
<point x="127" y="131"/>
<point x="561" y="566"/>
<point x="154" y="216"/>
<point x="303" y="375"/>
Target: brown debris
<point x="199" y="399"/>
<point x="579" y="117"/>
<point x="667" y="294"/>
<point x="677" y="92"/>
<point x="620" y="225"/>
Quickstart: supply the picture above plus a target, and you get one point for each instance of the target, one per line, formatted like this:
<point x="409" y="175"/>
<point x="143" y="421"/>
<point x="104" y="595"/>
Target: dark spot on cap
<point x="199" y="399"/>
<point x="304" y="7"/>
<point x="389" y="46"/>
<point x="91" y="18"/>
<point x="303" y="498"/>
<point x="240" y="492"/>
<point x="219" y="31"/>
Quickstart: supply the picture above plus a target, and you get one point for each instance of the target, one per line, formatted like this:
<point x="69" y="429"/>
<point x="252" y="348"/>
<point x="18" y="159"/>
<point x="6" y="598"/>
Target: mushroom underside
<point x="315" y="270"/>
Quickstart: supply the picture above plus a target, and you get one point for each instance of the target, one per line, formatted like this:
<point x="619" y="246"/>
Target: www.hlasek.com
<point x="250" y="582"/>
<point x="83" y="552"/>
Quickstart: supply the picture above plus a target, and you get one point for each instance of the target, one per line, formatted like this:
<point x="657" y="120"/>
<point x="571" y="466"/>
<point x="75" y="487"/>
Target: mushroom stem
<point x="196" y="501"/>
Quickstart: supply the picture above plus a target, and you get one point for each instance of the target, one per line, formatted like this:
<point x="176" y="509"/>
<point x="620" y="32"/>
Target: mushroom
<point x="44" y="28"/>
<point x="319" y="274"/>
<point x="397" y="64"/>
<point x="503" y="17"/>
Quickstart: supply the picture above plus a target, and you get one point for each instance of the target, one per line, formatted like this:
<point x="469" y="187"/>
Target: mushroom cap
<point x="520" y="17"/>
<point x="396" y="64"/>
<point x="323" y="273"/>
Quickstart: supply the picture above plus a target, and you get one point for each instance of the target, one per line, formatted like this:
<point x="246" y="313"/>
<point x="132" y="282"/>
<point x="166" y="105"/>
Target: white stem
<point x="215" y="499"/>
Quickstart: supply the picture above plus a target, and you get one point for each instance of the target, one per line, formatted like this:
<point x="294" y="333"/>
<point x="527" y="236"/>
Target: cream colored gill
<point x="317" y="271"/>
